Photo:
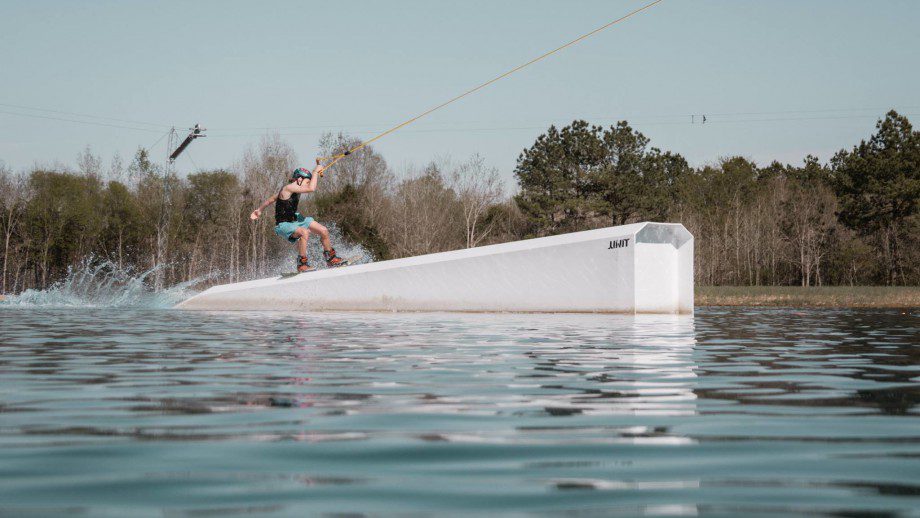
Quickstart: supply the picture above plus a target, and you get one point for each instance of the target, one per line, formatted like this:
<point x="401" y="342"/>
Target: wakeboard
<point x="293" y="274"/>
<point x="346" y="262"/>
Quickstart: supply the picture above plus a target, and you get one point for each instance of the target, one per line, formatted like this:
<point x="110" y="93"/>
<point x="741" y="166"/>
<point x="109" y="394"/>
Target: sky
<point x="777" y="79"/>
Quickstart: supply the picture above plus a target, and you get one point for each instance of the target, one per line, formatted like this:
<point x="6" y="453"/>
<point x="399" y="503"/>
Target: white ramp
<point x="638" y="268"/>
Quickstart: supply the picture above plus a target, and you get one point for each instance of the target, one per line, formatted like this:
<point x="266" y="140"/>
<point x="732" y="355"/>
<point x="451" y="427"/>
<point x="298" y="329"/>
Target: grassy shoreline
<point x="814" y="297"/>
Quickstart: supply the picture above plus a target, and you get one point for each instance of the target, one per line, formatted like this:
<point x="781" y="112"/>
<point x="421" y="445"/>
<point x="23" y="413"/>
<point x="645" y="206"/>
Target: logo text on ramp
<point x="619" y="243"/>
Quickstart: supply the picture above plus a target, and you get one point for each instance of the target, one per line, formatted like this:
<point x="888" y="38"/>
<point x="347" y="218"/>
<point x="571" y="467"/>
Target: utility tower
<point x="172" y="153"/>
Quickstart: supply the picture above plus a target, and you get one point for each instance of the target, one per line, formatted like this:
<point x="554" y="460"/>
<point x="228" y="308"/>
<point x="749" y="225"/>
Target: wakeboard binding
<point x="332" y="260"/>
<point x="302" y="265"/>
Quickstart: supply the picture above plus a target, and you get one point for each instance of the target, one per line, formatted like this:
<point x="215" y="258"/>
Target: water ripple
<point x="762" y="412"/>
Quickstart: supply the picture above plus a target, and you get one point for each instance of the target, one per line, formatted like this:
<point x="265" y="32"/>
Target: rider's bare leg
<point x="304" y="235"/>
<point x="323" y="234"/>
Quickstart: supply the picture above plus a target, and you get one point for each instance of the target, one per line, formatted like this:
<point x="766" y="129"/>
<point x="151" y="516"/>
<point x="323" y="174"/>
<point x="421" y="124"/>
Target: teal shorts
<point x="285" y="229"/>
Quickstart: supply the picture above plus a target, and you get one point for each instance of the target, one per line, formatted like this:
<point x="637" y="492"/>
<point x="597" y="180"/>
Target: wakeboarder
<point x="294" y="227"/>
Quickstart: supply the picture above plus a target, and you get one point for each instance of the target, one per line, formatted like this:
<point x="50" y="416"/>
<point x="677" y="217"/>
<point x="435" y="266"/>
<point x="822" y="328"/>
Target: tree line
<point x="853" y="220"/>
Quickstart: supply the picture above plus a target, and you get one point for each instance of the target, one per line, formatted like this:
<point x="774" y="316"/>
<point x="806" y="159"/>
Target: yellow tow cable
<point x="336" y="158"/>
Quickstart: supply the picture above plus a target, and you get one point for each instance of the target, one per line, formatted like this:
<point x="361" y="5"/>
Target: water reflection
<point x="732" y="412"/>
<point x="861" y="361"/>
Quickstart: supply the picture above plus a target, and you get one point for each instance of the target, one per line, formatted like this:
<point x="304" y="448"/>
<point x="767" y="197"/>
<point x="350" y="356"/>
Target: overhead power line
<point x="150" y="147"/>
<point x="91" y="123"/>
<point x="675" y="118"/>
<point x="86" y="115"/>
<point x="685" y="120"/>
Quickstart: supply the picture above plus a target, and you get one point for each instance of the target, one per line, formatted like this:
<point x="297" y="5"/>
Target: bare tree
<point x="365" y="170"/>
<point x="478" y="188"/>
<point x="364" y="167"/>
<point x="12" y="198"/>
<point x="88" y="163"/>
<point x="423" y="215"/>
<point x="264" y="171"/>
<point x="810" y="220"/>
<point x="117" y="168"/>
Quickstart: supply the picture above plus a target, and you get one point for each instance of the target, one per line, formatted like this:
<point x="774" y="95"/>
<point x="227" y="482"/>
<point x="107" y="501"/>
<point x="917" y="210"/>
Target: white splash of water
<point x="101" y="284"/>
<point x="287" y="260"/>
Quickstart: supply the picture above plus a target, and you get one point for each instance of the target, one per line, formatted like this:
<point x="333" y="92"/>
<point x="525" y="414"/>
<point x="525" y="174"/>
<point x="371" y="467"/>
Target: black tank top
<point x="286" y="210"/>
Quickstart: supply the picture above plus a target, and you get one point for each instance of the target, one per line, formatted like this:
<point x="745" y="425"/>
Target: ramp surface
<point x="643" y="267"/>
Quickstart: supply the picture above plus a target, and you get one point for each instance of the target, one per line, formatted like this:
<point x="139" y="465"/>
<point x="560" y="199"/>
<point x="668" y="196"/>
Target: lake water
<point x="734" y="412"/>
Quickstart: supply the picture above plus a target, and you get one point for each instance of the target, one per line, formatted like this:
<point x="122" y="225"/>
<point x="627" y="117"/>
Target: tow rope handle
<point x="334" y="159"/>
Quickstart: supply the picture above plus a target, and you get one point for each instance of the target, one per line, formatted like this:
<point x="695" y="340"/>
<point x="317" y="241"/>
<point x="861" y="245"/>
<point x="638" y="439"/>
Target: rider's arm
<point x="309" y="186"/>
<point x="258" y="212"/>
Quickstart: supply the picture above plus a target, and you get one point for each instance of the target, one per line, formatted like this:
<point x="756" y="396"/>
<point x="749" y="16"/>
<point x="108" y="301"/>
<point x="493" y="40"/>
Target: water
<point x="153" y="412"/>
